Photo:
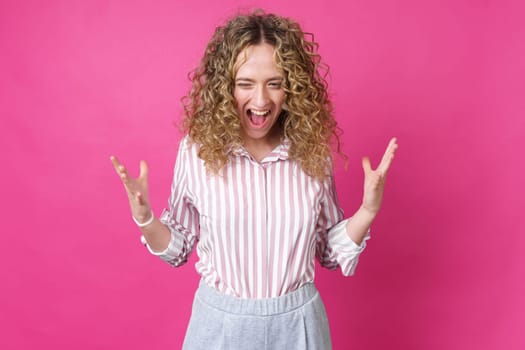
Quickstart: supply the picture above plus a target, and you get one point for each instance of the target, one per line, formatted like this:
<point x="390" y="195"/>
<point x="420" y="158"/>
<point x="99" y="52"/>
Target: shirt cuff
<point x="338" y="233"/>
<point x="347" y="251"/>
<point x="164" y="253"/>
<point x="174" y="246"/>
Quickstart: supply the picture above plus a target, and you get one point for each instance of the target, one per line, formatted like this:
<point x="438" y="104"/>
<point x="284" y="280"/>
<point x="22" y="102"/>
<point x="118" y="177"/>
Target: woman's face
<point x="259" y="95"/>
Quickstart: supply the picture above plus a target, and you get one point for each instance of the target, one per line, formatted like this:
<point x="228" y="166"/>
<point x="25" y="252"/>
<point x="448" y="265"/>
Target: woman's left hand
<point x="375" y="179"/>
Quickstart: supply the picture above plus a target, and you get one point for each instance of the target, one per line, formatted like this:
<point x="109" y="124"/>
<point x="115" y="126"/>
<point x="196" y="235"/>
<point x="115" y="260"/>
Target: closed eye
<point x="244" y="85"/>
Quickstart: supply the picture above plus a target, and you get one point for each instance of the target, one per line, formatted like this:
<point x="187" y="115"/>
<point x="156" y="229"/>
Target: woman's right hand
<point x="136" y="188"/>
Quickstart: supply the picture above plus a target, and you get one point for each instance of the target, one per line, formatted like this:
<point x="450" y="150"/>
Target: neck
<point x="259" y="149"/>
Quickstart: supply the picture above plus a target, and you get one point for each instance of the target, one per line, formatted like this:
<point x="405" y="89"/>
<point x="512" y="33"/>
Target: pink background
<point x="80" y="80"/>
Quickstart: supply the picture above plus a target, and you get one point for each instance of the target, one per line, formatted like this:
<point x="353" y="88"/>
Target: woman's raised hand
<point x="375" y="179"/>
<point x="136" y="188"/>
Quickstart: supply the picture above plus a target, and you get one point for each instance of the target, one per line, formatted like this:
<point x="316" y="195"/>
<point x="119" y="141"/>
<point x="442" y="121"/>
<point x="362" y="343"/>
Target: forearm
<point x="358" y="225"/>
<point x="157" y="235"/>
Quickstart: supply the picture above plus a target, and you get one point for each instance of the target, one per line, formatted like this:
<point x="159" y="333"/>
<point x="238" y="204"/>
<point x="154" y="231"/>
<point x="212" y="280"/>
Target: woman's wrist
<point x="145" y="221"/>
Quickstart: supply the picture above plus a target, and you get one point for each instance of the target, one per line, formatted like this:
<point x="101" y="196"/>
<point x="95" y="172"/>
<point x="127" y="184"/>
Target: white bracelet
<point x="144" y="224"/>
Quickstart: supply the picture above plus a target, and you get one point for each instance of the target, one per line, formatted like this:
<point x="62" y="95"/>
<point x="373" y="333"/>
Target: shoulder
<point x="187" y="145"/>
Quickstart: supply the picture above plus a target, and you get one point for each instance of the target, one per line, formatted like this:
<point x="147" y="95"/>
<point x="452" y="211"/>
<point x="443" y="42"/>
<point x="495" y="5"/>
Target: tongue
<point x="258" y="119"/>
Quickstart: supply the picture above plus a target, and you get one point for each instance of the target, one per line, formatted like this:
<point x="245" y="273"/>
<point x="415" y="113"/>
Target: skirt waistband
<point x="256" y="307"/>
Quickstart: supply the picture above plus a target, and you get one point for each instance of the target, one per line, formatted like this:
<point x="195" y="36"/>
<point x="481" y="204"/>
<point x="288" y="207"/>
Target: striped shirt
<point x="258" y="226"/>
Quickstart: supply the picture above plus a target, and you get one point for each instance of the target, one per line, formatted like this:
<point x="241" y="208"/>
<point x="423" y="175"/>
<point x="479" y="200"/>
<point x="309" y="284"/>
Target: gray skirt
<point x="295" y="321"/>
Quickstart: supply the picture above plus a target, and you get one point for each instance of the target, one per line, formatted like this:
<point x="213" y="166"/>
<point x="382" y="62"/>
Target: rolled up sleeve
<point x="342" y="250"/>
<point x="181" y="218"/>
<point x="334" y="247"/>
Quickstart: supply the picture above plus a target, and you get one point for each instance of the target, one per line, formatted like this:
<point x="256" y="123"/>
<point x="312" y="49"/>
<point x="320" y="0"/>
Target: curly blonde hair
<point x="211" y="118"/>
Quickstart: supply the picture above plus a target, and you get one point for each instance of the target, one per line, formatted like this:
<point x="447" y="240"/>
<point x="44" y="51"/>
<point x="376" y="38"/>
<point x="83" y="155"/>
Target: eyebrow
<point x="251" y="80"/>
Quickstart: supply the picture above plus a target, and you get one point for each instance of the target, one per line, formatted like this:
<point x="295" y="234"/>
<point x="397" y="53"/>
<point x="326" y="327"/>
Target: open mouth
<point x="258" y="118"/>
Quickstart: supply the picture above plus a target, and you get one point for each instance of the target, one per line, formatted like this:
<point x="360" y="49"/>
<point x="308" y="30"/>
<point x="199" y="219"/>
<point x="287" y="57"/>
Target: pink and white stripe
<point x="259" y="225"/>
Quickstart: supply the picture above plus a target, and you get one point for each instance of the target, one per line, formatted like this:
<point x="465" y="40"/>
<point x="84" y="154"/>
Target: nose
<point x="261" y="97"/>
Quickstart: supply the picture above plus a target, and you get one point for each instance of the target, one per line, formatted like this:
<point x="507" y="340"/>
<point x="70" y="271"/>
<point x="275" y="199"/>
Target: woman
<point x="253" y="188"/>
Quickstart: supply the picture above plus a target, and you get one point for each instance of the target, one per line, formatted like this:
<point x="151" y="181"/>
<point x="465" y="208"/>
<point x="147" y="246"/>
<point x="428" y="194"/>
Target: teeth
<point x="260" y="113"/>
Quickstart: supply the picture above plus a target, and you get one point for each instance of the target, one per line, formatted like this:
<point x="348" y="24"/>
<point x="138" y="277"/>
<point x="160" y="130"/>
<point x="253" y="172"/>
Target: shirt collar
<point x="281" y="152"/>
